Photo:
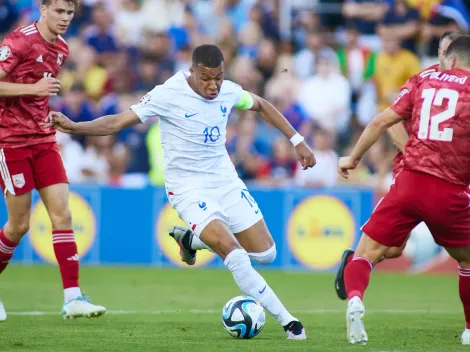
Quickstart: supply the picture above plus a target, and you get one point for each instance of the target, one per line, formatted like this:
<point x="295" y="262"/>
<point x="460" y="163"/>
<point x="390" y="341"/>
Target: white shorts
<point x="231" y="203"/>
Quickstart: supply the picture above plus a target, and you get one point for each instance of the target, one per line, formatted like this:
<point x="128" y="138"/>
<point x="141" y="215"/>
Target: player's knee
<point x="393" y="252"/>
<point x="266" y="257"/>
<point x="237" y="260"/>
<point x="17" y="231"/>
<point x="61" y="219"/>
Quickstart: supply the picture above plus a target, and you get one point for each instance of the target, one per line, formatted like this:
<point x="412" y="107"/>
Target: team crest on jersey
<point x="402" y="93"/>
<point x="4" y="53"/>
<point x="145" y="99"/>
<point x="60" y="59"/>
<point x="18" y="180"/>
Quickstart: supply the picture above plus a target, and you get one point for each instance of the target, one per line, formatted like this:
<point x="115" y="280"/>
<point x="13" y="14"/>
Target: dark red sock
<point x="7" y="247"/>
<point x="65" y="249"/>
<point x="356" y="276"/>
<point x="349" y="258"/>
<point x="464" y="291"/>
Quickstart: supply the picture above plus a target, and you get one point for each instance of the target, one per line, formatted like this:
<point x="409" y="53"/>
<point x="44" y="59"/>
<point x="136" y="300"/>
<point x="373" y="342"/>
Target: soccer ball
<point x="243" y="317"/>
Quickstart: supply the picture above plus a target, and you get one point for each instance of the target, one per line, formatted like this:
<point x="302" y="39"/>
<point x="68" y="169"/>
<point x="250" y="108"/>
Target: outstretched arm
<point x="371" y="134"/>
<point x="399" y="136"/>
<point x="268" y="112"/>
<point x="102" y="126"/>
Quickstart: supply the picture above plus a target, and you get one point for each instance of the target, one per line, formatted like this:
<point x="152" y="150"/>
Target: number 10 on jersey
<point x="432" y="98"/>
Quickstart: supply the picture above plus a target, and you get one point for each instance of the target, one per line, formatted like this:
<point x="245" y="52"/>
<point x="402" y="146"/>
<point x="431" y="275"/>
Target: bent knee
<point x="17" y="231"/>
<point x="61" y="219"/>
<point x="266" y="257"/>
<point x="393" y="252"/>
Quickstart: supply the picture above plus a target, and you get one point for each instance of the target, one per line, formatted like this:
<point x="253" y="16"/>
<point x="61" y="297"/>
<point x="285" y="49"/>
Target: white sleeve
<point x="154" y="103"/>
<point x="235" y="91"/>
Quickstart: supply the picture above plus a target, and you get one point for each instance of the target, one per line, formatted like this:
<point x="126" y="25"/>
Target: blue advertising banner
<point x="311" y="228"/>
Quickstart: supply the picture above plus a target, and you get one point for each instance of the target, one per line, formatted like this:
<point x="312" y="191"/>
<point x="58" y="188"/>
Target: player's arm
<point x="45" y="87"/>
<point x="103" y="126"/>
<point x="399" y="136"/>
<point x="371" y="134"/>
<point x="250" y="101"/>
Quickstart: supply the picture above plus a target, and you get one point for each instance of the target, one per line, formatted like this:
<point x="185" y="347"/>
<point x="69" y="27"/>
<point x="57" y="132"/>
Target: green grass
<point x="424" y="312"/>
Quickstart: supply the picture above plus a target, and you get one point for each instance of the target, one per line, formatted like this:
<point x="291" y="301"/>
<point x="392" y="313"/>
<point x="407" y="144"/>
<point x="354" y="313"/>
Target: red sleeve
<point x="11" y="53"/>
<point x="403" y="105"/>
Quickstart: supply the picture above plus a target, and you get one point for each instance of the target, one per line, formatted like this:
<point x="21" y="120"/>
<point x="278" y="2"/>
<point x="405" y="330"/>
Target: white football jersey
<point x="193" y="132"/>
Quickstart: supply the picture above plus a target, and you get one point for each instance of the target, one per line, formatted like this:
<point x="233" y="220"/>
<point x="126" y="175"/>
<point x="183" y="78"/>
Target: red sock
<point x="356" y="276"/>
<point x="65" y="249"/>
<point x="349" y="258"/>
<point x="7" y="247"/>
<point x="464" y="291"/>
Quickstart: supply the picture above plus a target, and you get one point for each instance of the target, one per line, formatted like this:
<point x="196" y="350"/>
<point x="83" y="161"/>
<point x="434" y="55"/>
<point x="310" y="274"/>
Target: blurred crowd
<point x="339" y="64"/>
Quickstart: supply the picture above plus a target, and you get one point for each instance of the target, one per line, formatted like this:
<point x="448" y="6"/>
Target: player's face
<point x="58" y="15"/>
<point x="207" y="81"/>
<point x="442" y="53"/>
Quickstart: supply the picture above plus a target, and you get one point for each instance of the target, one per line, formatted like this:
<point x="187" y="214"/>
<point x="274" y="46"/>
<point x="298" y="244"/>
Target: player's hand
<point x="46" y="87"/>
<point x="345" y="164"/>
<point x="59" y="121"/>
<point x="305" y="155"/>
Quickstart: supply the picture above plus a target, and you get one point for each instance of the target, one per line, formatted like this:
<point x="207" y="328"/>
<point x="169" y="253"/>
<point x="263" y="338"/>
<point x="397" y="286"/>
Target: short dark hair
<point x="460" y="47"/>
<point x="48" y="2"/>
<point x="208" y="55"/>
<point x="451" y="35"/>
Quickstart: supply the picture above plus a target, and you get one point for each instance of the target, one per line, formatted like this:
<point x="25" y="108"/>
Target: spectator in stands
<point x="358" y="65"/>
<point x="280" y="170"/>
<point x="437" y="23"/>
<point x="129" y="22"/>
<point x="100" y="35"/>
<point x="148" y="75"/>
<point x="326" y="97"/>
<point x="305" y="60"/>
<point x="366" y="14"/>
<point x="267" y="59"/>
<point x="402" y="22"/>
<point x="394" y="66"/>
<point x="95" y="167"/>
<point x="324" y="174"/>
<point x="72" y="155"/>
<point x="8" y="16"/>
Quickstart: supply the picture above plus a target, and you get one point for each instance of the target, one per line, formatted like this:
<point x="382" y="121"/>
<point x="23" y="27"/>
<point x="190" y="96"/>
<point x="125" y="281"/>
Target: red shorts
<point x="416" y="197"/>
<point x="35" y="166"/>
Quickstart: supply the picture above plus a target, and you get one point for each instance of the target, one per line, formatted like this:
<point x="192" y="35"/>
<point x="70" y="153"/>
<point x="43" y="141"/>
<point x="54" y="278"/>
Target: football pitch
<point x="179" y="310"/>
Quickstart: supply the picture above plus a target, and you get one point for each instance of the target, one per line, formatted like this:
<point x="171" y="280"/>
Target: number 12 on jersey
<point x="432" y="98"/>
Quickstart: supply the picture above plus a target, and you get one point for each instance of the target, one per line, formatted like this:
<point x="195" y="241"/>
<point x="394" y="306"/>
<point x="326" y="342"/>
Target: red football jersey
<point x="27" y="57"/>
<point x="399" y="161"/>
<point x="438" y="107"/>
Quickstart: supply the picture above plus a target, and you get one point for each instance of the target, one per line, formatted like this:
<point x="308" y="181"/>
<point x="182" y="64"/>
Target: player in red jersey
<point x="432" y="186"/>
<point x="399" y="134"/>
<point x="30" y="60"/>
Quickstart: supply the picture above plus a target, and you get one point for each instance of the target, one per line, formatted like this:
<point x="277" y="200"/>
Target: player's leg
<point x="16" y="183"/>
<point x="462" y="256"/>
<point x="17" y="226"/>
<point x="348" y="255"/>
<point x="389" y="225"/>
<point x="258" y="242"/>
<point x="218" y="236"/>
<point x="245" y="221"/>
<point x="51" y="182"/>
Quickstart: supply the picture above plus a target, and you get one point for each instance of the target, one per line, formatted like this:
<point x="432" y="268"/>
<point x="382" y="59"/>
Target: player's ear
<point x="191" y="70"/>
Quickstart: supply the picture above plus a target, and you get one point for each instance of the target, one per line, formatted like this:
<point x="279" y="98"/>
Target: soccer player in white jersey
<point x="200" y="179"/>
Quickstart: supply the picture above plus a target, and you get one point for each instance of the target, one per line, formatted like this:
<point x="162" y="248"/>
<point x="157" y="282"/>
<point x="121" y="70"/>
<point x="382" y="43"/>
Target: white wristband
<point x="296" y="139"/>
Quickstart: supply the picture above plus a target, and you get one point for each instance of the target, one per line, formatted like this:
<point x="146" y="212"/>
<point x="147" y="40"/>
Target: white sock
<point x="253" y="284"/>
<point x="197" y="244"/>
<point x="71" y="293"/>
<point x="467" y="330"/>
